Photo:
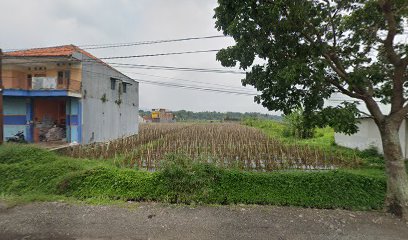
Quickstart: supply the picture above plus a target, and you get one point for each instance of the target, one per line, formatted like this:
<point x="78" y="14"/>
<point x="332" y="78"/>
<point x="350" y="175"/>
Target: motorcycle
<point x="18" y="138"/>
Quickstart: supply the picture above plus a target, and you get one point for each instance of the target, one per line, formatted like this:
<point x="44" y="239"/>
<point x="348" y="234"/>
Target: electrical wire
<point x="160" y="54"/>
<point x="127" y="65"/>
<point x="183" y="80"/>
<point x="172" y="68"/>
<point x="195" y="87"/>
<point x="116" y="45"/>
<point x="201" y="88"/>
<point x="101" y="46"/>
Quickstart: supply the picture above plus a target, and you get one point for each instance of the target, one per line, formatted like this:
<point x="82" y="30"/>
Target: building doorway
<point x="49" y="119"/>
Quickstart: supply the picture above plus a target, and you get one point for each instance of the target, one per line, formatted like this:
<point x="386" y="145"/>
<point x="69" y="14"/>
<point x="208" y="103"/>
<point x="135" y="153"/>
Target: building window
<point x="60" y="77"/>
<point x="124" y="87"/>
<point x="113" y="83"/>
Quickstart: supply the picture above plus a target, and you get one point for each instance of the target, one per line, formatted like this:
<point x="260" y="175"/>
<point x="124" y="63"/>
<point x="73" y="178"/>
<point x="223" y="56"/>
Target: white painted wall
<point x="104" y="121"/>
<point x="369" y="135"/>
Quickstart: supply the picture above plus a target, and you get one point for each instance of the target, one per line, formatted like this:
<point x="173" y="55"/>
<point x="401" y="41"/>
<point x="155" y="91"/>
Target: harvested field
<point x="223" y="144"/>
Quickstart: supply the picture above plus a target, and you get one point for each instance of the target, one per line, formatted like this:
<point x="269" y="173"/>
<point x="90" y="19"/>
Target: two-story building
<point x="66" y="94"/>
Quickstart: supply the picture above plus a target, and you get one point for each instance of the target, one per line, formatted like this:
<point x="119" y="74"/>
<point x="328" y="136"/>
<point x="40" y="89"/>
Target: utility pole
<point x="1" y="99"/>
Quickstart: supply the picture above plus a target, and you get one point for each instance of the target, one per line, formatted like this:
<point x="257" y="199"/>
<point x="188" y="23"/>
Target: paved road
<point x="56" y="220"/>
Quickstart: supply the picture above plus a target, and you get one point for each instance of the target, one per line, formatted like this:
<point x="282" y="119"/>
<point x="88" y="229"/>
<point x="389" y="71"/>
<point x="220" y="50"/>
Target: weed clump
<point x="184" y="180"/>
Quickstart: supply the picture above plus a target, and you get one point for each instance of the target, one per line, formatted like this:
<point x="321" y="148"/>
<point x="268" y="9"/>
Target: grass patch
<point x="37" y="175"/>
<point x="323" y="139"/>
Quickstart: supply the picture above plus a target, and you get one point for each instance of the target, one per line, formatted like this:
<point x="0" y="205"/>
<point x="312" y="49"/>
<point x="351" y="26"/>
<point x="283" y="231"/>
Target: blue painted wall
<point x="35" y="93"/>
<point x="73" y="120"/>
<point x="29" y="119"/>
<point x="14" y="106"/>
<point x="19" y="112"/>
<point x="15" y="116"/>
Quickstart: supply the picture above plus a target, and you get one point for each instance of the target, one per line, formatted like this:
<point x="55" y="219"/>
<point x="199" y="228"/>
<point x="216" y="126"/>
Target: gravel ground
<point x="58" y="220"/>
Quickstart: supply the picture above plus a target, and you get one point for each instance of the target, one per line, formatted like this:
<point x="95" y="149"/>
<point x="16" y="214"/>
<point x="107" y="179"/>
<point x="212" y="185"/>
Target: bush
<point x="109" y="183"/>
<point x="333" y="189"/>
<point x="372" y="157"/>
<point x="15" y="153"/>
<point x="184" y="181"/>
<point x="296" y="126"/>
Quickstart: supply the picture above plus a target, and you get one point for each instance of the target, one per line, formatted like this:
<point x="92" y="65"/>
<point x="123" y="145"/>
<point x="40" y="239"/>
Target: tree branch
<point x="344" y="90"/>
<point x="332" y="24"/>
<point x="392" y="56"/>
<point x="374" y="109"/>
<point x="334" y="62"/>
<point x="397" y="98"/>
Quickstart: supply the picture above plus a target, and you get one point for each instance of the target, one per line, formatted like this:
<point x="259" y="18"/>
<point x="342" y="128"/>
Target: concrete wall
<point x="368" y="136"/>
<point x="103" y="117"/>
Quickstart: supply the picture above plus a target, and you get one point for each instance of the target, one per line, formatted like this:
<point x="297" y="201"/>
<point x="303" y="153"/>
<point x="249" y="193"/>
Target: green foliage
<point x="180" y="180"/>
<point x="341" y="119"/>
<point x="296" y="126"/>
<point x="334" y="189"/>
<point x="308" y="50"/>
<point x="30" y="170"/>
<point x="15" y="153"/>
<point x="372" y="157"/>
<point x="323" y="138"/>
<point x="111" y="183"/>
<point x="185" y="180"/>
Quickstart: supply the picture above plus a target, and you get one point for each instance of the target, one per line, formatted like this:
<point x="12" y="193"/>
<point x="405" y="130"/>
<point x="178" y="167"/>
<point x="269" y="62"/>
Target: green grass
<point x="323" y="139"/>
<point x="31" y="174"/>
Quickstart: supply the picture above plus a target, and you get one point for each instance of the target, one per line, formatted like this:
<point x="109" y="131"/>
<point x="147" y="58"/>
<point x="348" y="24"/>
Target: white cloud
<point x="28" y="23"/>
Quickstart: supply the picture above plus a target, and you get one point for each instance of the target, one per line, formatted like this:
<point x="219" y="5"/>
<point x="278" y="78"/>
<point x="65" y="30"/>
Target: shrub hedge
<point x="182" y="181"/>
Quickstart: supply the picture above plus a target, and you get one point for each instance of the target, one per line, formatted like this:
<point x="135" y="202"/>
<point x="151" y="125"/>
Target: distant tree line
<point x="184" y="115"/>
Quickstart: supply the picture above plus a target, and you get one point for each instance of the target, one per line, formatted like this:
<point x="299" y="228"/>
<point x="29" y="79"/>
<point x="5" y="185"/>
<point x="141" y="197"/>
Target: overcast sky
<point x="38" y="23"/>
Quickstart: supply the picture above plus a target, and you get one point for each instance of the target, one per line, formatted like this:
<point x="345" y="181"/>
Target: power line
<point x="132" y="56"/>
<point x="194" y="88"/>
<point x="114" y="45"/>
<point x="156" y="67"/>
<point x="160" y="54"/>
<point x="184" y="80"/>
<point x="117" y="45"/>
<point x="175" y="85"/>
<point x="127" y="65"/>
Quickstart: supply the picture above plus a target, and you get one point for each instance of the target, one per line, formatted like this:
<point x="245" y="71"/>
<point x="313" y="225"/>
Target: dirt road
<point x="56" y="220"/>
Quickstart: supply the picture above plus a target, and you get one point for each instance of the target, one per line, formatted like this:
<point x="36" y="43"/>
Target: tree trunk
<point x="397" y="180"/>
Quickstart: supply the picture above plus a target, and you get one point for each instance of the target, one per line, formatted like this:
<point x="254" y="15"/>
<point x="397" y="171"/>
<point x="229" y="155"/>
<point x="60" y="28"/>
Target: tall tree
<point x="298" y="53"/>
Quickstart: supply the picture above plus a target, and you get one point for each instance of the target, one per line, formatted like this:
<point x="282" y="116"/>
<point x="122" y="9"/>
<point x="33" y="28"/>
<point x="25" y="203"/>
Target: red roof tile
<point x="59" y="51"/>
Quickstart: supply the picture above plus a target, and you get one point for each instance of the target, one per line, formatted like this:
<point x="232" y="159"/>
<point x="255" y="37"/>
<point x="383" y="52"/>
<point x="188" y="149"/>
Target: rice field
<point x="228" y="145"/>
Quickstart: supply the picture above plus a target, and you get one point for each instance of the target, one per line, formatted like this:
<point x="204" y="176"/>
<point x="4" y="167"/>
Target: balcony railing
<point x="49" y="83"/>
<point x="43" y="83"/>
<point x="39" y="83"/>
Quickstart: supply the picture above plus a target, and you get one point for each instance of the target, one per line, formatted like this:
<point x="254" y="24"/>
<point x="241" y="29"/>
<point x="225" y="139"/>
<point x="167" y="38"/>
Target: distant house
<point x="141" y="119"/>
<point x="162" y="115"/>
<point x="65" y="94"/>
<point x="369" y="136"/>
<point x="147" y="119"/>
